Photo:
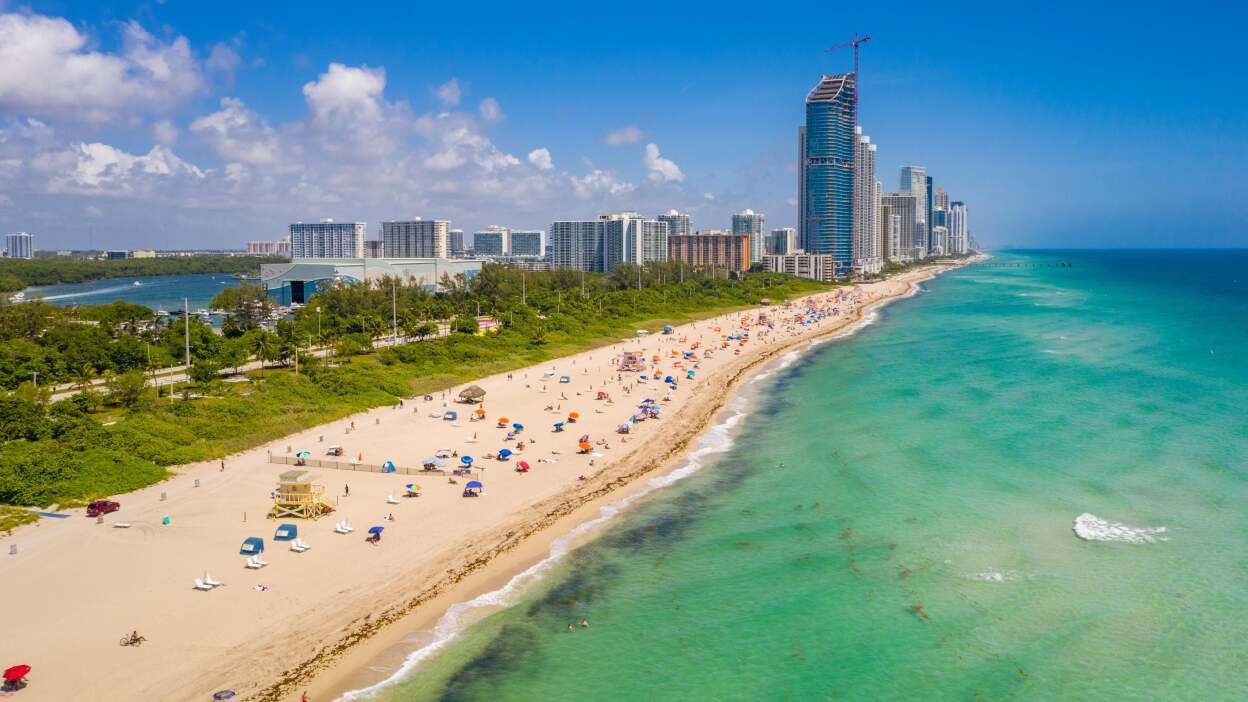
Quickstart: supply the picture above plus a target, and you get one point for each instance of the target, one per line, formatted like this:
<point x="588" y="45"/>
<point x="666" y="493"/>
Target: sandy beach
<point x="318" y="620"/>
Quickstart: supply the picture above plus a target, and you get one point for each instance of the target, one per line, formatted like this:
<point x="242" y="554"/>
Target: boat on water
<point x="17" y="297"/>
<point x="162" y="313"/>
<point x="136" y="283"/>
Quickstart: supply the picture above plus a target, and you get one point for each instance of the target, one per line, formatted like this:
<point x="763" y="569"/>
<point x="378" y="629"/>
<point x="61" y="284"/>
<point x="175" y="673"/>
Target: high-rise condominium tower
<point x="416" y="238"/>
<point x="525" y="243"/>
<point x="902" y="207"/>
<point x="782" y="241"/>
<point x="959" y="232"/>
<point x="750" y="222"/>
<point x="677" y="223"/>
<point x="914" y="182"/>
<point x="455" y="241"/>
<point x="492" y="241"/>
<point x="827" y="146"/>
<point x="866" y="259"/>
<point x="327" y="239"/>
<point x="20" y="245"/>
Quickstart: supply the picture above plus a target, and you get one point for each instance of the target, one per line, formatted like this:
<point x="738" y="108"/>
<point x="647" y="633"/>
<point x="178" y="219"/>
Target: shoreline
<point x="318" y="621"/>
<point x="353" y="673"/>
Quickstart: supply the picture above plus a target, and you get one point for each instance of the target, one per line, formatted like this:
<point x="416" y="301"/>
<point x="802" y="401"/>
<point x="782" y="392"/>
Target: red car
<point x="99" y="507"/>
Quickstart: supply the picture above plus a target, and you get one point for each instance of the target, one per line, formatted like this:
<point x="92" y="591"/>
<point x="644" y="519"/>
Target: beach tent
<point x="565" y="379"/>
<point x="433" y="462"/>
<point x="286" y="532"/>
<point x="451" y="416"/>
<point x="472" y="393"/>
<point x="387" y="467"/>
<point x="252" y="546"/>
<point x="504" y="454"/>
<point x="445" y="453"/>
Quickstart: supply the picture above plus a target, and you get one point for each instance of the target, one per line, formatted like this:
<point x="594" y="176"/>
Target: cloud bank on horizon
<point x="357" y="152"/>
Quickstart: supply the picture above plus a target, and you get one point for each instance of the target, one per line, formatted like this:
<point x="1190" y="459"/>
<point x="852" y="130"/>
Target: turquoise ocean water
<point x="893" y="521"/>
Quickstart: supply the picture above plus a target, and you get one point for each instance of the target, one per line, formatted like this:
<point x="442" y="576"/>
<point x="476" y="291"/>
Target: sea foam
<point x="1090" y="527"/>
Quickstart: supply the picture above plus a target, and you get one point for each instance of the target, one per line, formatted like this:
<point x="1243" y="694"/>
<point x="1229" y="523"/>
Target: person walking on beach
<point x="304" y="697"/>
<point x="346" y="489"/>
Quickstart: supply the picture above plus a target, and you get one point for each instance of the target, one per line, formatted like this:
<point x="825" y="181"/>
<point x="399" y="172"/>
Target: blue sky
<point x="208" y="124"/>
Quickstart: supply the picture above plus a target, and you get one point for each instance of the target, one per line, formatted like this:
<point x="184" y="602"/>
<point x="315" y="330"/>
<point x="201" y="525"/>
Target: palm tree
<point x="83" y="375"/>
<point x="266" y="348"/>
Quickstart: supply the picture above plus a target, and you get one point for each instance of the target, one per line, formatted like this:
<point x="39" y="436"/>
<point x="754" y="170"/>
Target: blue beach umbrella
<point x="504" y="454"/>
<point x="300" y="454"/>
<point x="466" y="460"/>
<point x="474" y="485"/>
<point x="376" y="530"/>
<point x="517" y="427"/>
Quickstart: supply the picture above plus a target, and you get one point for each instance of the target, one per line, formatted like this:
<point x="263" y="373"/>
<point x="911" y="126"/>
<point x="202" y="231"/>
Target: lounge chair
<point x="253" y="563"/>
<point x="201" y="585"/>
<point x="341" y="528"/>
<point x="260" y="561"/>
<point x="296" y="546"/>
<point x="210" y="582"/>
<point x="391" y="500"/>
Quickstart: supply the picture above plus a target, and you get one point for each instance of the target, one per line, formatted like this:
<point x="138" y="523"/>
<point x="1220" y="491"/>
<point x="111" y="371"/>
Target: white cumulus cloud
<point x="47" y="68"/>
<point x="541" y="159"/>
<point x="661" y="170"/>
<point x="165" y="133"/>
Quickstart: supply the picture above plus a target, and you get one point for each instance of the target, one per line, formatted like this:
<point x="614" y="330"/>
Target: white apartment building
<point x="327" y="239"/>
<point x="678" y="223"/>
<point x="416" y="238"/>
<point x="751" y="222"/>
<point x="866" y="258"/>
<point x="959" y="233"/>
<point x="20" y="245"/>
<point x="279" y="247"/>
<point x="492" y="241"/>
<point x="821" y="267"/>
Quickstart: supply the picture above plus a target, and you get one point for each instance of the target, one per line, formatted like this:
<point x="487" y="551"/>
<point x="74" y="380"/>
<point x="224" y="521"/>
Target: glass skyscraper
<point x="827" y="147"/>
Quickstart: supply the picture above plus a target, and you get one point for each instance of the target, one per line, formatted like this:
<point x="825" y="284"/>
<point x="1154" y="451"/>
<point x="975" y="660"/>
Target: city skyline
<point x="184" y="124"/>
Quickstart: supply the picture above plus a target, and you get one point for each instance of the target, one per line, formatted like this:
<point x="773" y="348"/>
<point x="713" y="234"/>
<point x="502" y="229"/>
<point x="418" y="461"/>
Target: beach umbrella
<point x="585" y="446"/>
<point x="376" y="530"/>
<point x="474" y="485"/>
<point x="222" y="694"/>
<point x="16" y="673"/>
<point x="523" y="465"/>
<point x="503" y="420"/>
<point x="668" y="379"/>
<point x="466" y="460"/>
<point x="303" y="454"/>
<point x="412" y="486"/>
<point x="480" y="411"/>
<point x="517" y="427"/>
<point x="504" y="454"/>
<point x="559" y="425"/>
<point x="584" y="438"/>
<point x="574" y="415"/>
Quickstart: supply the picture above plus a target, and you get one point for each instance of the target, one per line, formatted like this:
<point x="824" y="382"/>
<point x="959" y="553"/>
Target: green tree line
<point x="124" y="435"/>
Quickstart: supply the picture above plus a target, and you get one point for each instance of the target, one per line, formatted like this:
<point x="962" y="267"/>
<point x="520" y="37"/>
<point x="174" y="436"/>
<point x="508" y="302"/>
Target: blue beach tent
<point x="286" y="532"/>
<point x="252" y="546"/>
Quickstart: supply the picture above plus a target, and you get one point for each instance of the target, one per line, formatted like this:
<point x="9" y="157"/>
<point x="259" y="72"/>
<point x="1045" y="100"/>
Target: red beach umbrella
<point x="16" y="673"/>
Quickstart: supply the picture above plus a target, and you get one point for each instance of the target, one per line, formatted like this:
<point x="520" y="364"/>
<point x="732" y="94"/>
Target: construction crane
<point x="857" y="41"/>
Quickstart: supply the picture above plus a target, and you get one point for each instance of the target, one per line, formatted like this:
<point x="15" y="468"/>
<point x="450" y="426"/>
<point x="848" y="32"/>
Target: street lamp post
<point x="318" y="323"/>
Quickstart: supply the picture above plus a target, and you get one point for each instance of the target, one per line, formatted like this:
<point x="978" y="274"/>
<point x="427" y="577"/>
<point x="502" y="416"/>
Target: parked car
<point x="99" y="507"/>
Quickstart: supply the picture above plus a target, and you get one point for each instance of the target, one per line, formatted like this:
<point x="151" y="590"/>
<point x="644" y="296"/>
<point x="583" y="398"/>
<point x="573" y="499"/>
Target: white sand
<point x="76" y="587"/>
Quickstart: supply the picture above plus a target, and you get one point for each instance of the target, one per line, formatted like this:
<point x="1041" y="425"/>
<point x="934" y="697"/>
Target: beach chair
<point x="391" y="499"/>
<point x="341" y="528"/>
<point x="210" y="582"/>
<point x="201" y="585"/>
<point x="253" y="564"/>
<point x="298" y="546"/>
<point x="260" y="561"/>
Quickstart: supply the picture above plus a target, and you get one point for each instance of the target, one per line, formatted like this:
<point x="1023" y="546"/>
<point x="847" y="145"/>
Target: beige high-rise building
<point x="709" y="249"/>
